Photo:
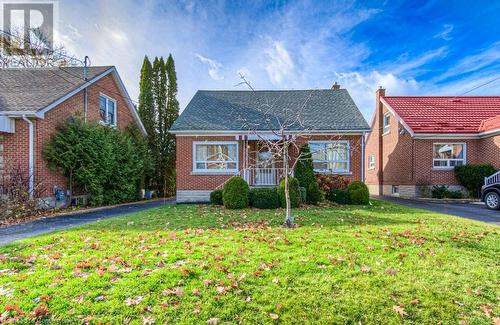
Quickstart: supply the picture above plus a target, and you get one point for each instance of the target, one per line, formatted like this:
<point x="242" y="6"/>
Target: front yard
<point x="383" y="264"/>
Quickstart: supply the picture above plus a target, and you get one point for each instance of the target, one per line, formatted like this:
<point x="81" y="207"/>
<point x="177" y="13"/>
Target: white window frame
<point x="371" y="161"/>
<point x="448" y="167"/>
<point x="215" y="171"/>
<point x="386" y="127"/>
<point x="348" y="161"/>
<point x="108" y="99"/>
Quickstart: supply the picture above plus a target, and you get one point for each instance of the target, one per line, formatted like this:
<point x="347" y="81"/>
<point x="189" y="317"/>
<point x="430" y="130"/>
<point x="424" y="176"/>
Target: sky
<point x="408" y="47"/>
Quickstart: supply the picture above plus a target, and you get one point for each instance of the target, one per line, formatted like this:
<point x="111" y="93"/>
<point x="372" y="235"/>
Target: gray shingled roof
<point x="322" y="109"/>
<point x="31" y="89"/>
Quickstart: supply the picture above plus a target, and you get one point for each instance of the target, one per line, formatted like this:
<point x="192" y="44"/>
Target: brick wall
<point x="16" y="144"/>
<point x="188" y="181"/>
<point x="374" y="147"/>
<point x="489" y="150"/>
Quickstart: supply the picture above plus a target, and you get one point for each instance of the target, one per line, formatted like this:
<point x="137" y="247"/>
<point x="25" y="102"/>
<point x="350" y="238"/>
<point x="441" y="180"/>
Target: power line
<point x="482" y="85"/>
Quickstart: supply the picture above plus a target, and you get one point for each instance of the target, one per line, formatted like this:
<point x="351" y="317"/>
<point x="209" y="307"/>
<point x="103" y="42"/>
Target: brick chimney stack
<point x="336" y="86"/>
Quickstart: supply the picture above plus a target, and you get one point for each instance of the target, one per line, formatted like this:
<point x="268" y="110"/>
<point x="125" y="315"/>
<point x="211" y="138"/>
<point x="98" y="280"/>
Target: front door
<point x="264" y="170"/>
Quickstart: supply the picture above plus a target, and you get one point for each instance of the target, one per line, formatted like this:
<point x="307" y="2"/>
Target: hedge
<point x="264" y="198"/>
<point x="216" y="197"/>
<point x="338" y="196"/>
<point x="471" y="176"/>
<point x="294" y="192"/>
<point x="235" y="194"/>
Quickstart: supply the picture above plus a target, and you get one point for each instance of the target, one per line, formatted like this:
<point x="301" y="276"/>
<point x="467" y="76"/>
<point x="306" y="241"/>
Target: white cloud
<point x="279" y="65"/>
<point x="445" y="32"/>
<point x="214" y="67"/>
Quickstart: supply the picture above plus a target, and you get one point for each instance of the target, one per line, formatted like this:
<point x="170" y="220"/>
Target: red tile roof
<point x="445" y="114"/>
<point x="490" y="124"/>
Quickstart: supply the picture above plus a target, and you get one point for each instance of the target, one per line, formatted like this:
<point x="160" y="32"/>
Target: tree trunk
<point x="289" y="217"/>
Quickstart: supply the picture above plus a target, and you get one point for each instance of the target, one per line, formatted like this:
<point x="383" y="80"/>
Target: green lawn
<point x="383" y="264"/>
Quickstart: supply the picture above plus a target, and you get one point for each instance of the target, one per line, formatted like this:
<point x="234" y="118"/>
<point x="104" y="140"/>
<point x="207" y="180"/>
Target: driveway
<point x="42" y="226"/>
<point x="472" y="211"/>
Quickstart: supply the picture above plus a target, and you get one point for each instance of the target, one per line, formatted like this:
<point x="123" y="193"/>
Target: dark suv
<point x="490" y="195"/>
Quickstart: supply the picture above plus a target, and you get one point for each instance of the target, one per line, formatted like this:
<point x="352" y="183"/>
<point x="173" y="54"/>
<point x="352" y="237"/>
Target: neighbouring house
<point x="416" y="141"/>
<point x="218" y="135"/>
<point x="33" y="102"/>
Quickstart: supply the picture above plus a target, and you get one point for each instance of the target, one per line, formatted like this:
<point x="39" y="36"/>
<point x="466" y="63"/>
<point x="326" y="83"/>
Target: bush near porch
<point x="380" y="264"/>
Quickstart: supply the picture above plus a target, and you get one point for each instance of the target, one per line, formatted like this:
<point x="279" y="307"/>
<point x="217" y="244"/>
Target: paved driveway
<point x="46" y="225"/>
<point x="465" y="210"/>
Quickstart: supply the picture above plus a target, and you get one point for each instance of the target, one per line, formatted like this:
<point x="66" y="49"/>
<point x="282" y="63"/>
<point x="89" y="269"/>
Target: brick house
<point x="415" y="142"/>
<point x="33" y="102"/>
<point x="218" y="135"/>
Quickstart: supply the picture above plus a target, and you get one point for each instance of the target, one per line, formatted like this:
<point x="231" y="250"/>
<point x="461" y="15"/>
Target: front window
<point x="330" y="157"/>
<point x="448" y="155"/>
<point x="387" y="122"/>
<point x="107" y="110"/>
<point x="216" y="156"/>
<point x="371" y="162"/>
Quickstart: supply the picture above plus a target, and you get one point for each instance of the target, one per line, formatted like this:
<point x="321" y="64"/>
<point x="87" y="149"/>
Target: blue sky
<point x="408" y="47"/>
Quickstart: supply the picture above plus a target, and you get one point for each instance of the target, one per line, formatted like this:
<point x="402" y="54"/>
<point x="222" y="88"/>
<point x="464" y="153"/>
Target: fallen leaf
<point x="133" y="301"/>
<point x="365" y="269"/>
<point x="195" y="292"/>
<point x="148" y="320"/>
<point x="274" y="316"/>
<point x="487" y="310"/>
<point x="415" y="301"/>
<point x="40" y="311"/>
<point x="400" y="310"/>
<point x="391" y="271"/>
<point x="213" y="321"/>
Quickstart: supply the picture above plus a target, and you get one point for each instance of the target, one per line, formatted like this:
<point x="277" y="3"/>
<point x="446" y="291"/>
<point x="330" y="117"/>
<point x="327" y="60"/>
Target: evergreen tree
<point x="147" y="112"/>
<point x="171" y="115"/>
<point x="304" y="170"/>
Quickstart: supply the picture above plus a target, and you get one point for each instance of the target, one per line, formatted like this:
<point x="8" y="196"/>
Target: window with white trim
<point x="371" y="161"/>
<point x="386" y="122"/>
<point x="448" y="155"/>
<point x="107" y="110"/>
<point x="330" y="157"/>
<point x="215" y="156"/>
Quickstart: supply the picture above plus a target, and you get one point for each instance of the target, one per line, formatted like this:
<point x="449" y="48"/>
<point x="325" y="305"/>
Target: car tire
<point x="492" y="200"/>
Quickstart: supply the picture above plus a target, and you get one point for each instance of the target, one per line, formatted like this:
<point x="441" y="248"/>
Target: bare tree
<point x="16" y="51"/>
<point x="288" y="131"/>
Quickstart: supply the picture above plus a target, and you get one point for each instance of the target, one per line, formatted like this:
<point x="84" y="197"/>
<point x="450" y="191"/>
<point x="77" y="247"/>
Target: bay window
<point x="330" y="156"/>
<point x="448" y="155"/>
<point x="215" y="157"/>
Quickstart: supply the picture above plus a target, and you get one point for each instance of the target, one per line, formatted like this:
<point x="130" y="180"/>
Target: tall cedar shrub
<point x="471" y="176"/>
<point x="358" y="193"/>
<point x="264" y="198"/>
<point x="235" y="194"/>
<point x="304" y="170"/>
<point x="100" y="161"/>
<point x="294" y="192"/>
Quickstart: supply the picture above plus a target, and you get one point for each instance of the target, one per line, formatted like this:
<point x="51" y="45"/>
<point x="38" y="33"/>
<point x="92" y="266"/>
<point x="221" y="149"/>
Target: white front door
<point x="265" y="173"/>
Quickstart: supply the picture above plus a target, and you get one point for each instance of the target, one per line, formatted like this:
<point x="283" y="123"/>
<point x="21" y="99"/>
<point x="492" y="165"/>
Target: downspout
<point x="31" y="160"/>
<point x="363" y="157"/>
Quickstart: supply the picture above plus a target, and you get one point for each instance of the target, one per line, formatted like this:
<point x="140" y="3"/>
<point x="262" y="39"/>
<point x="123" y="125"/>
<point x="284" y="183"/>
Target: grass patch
<point x="382" y="264"/>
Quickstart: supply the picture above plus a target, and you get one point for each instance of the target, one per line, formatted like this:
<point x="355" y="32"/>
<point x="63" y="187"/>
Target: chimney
<point x="336" y="86"/>
<point x="380" y="92"/>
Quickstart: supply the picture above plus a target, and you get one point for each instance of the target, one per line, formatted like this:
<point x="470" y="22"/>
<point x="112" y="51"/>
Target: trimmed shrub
<point x="235" y="194"/>
<point x="358" y="193"/>
<point x="293" y="190"/>
<point x="216" y="197"/>
<point x="338" y="196"/>
<point x="471" y="176"/>
<point x="304" y="169"/>
<point x="327" y="182"/>
<point x="303" y="194"/>
<point x="264" y="198"/>
<point x="313" y="193"/>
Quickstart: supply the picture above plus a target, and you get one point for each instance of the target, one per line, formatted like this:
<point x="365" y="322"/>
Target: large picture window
<point x="215" y="156"/>
<point x="107" y="110"/>
<point x="330" y="157"/>
<point x="448" y="155"/>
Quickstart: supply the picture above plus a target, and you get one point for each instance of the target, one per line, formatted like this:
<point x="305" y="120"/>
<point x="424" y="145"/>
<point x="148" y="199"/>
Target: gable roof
<point x="34" y="91"/>
<point x="444" y="114"/>
<point x="233" y="110"/>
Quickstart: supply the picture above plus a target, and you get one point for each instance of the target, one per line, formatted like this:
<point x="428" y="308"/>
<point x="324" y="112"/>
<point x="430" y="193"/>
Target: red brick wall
<point x="489" y="150"/>
<point x="186" y="180"/>
<point x="15" y="147"/>
<point x="16" y="144"/>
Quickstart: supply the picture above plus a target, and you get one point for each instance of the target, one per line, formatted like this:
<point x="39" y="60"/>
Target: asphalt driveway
<point x="472" y="211"/>
<point x="42" y="226"/>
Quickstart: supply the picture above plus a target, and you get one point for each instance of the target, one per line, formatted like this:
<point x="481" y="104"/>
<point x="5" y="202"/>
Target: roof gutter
<point x="246" y="132"/>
